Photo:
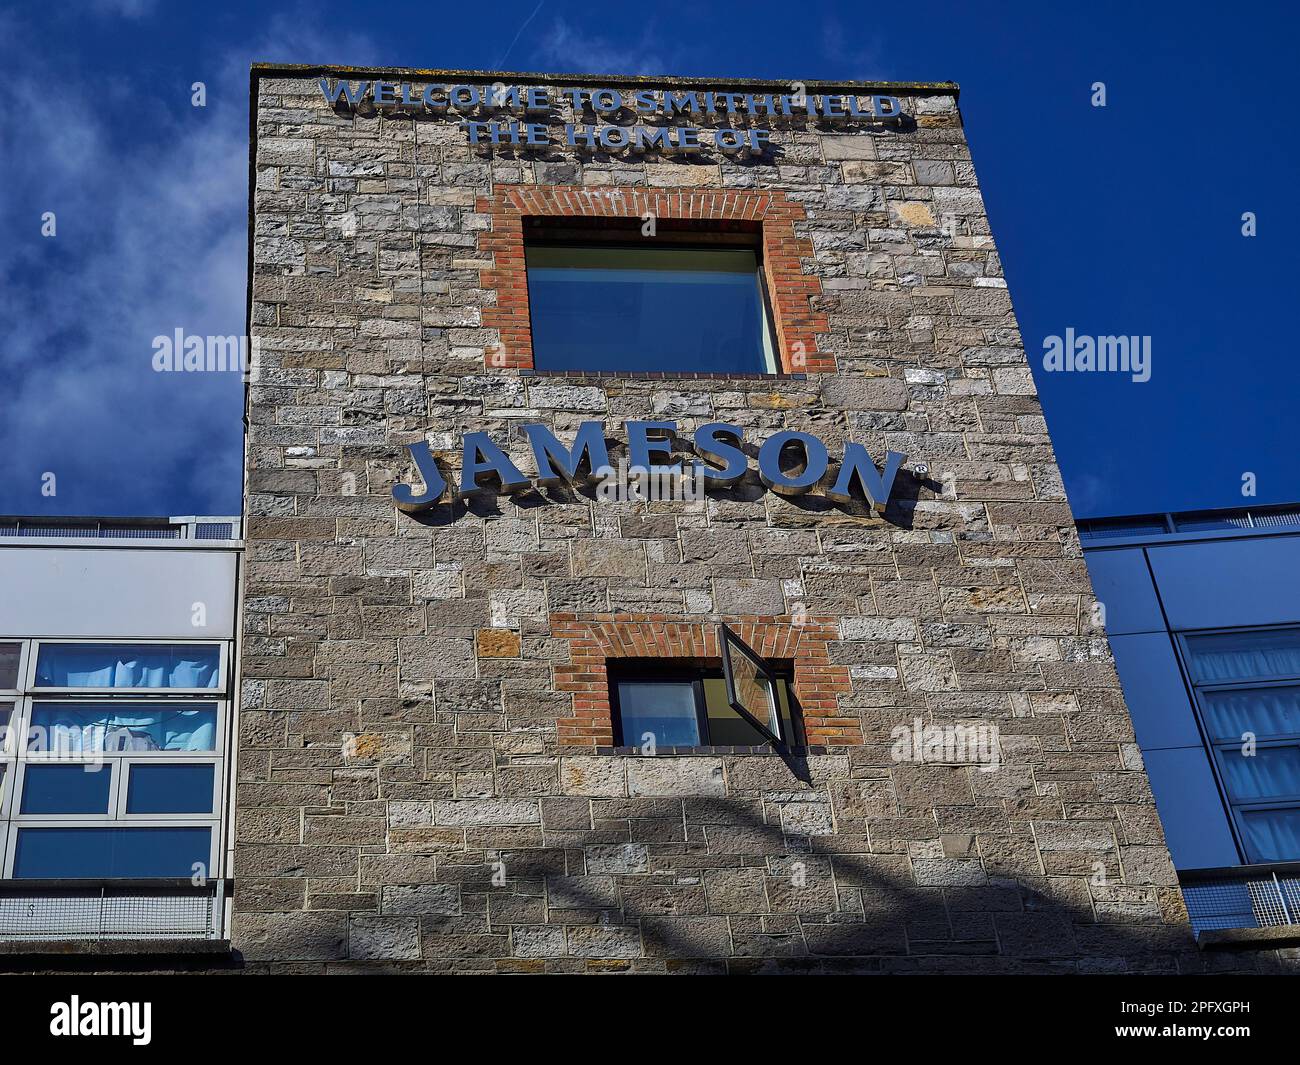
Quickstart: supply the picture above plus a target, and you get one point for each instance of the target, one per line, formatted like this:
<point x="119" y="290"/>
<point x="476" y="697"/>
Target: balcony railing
<point x="100" y="910"/>
<point x="188" y="528"/>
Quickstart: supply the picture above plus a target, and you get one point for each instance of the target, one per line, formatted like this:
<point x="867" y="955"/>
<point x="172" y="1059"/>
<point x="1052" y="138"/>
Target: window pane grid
<point x="1248" y="699"/>
<point x="122" y="776"/>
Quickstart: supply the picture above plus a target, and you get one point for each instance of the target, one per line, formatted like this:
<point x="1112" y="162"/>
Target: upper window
<point x="671" y="309"/>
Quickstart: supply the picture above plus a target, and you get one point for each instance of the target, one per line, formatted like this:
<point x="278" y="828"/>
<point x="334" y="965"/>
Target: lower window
<point x="656" y="707"/>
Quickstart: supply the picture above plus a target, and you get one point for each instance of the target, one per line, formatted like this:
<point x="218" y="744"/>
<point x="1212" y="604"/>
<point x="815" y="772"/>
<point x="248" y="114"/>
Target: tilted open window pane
<point x="116" y="726"/>
<point x="727" y="728"/>
<point x="106" y="665"/>
<point x="751" y="690"/>
<point x="659" y="704"/>
<point x="608" y="307"/>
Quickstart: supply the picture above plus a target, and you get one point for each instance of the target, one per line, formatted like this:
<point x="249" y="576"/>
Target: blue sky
<point x="1117" y="220"/>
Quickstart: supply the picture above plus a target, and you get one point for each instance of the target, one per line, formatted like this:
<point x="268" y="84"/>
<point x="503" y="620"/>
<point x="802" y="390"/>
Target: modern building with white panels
<point x="117" y="681"/>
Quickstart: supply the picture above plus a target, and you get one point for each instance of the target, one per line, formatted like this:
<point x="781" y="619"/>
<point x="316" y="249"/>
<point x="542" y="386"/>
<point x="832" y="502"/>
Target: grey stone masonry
<point x="406" y="797"/>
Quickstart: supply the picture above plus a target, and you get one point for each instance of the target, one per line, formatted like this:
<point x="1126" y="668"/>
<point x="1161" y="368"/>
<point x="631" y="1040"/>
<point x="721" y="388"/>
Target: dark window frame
<point x="695" y="672"/>
<point x="730" y="642"/>
<point x="686" y="235"/>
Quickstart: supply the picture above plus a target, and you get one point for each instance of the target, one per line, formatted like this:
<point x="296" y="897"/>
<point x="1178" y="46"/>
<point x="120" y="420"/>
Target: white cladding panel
<point x="116" y="592"/>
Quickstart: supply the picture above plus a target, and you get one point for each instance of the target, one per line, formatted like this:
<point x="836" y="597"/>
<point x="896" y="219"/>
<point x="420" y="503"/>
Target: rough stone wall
<point x="406" y="799"/>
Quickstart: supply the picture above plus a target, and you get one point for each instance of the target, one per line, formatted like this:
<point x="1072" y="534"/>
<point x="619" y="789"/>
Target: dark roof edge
<point x="302" y="70"/>
<point x="1159" y="515"/>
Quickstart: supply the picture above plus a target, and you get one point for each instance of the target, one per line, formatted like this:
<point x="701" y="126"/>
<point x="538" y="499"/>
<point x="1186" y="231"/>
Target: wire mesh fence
<point x="1249" y="901"/>
<point x="109" y="913"/>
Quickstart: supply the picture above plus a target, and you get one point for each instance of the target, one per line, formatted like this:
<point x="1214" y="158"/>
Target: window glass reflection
<point x="641" y="309"/>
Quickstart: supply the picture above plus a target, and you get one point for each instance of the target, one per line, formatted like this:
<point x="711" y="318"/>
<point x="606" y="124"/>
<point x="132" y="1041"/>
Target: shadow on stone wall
<point x="864" y="914"/>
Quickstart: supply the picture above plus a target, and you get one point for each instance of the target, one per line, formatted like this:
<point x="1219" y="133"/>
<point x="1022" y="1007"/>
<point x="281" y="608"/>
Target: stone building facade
<point x="426" y="771"/>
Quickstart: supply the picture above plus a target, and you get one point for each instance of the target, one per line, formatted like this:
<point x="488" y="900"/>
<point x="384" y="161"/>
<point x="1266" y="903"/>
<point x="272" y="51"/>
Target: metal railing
<point x="186" y="528"/>
<point x="1256" y="897"/>
<point x="46" y="911"/>
<point x="1098" y="530"/>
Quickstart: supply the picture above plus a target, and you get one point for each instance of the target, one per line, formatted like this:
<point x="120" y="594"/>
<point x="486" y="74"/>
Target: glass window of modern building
<point x="116" y="704"/>
<point x="87" y="755"/>
<point x="1247" y="687"/>
<point x="1202" y="611"/>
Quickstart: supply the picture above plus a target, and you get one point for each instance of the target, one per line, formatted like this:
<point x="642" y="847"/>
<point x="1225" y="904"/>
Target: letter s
<point x="711" y="445"/>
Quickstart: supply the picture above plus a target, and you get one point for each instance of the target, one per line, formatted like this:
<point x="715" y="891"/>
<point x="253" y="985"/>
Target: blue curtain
<point x="127" y="666"/>
<point x="1271" y="835"/>
<point x="1263" y="711"/>
<point x="122" y="727"/>
<point x="1233" y="656"/>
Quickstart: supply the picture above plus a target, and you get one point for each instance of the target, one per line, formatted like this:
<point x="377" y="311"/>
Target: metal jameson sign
<point x="485" y="111"/>
<point x="720" y="463"/>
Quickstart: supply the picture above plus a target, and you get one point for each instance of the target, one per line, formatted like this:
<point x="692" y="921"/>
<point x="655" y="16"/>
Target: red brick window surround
<point x="594" y="639"/>
<point x="789" y="288"/>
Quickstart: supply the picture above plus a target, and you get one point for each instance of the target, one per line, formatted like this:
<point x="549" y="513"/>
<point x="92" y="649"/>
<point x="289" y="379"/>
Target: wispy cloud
<point x="856" y="54"/>
<point x="150" y="238"/>
<point x="1089" y="494"/>
<point x="125" y="8"/>
<point x="565" y="49"/>
<point x="500" y="63"/>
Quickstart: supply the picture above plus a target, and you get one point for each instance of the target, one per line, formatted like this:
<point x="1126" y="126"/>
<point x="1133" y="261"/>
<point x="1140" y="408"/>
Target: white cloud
<point x="151" y="237"/>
